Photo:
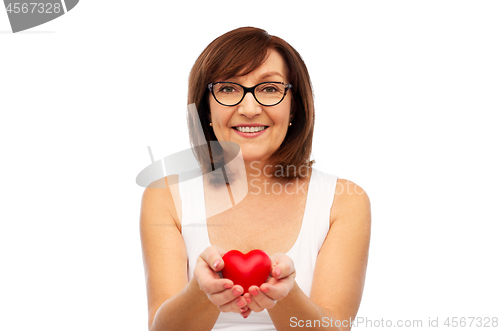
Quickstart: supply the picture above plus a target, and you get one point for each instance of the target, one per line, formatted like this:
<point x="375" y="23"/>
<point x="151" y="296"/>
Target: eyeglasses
<point x="267" y="93"/>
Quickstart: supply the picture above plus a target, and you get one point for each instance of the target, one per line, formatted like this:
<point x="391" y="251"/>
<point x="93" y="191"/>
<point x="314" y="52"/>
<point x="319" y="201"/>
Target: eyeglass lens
<point x="265" y="93"/>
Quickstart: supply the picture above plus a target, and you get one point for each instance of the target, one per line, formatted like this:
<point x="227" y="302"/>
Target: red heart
<point x="252" y="268"/>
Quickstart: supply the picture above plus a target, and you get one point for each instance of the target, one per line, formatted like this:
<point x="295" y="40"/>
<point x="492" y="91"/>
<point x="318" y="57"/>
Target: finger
<point x="246" y="313"/>
<point x="252" y="304"/>
<point x="216" y="286"/>
<point x="282" y="266"/>
<point x="212" y="255"/>
<point x="233" y="306"/>
<point x="260" y="299"/>
<point x="282" y="271"/>
<point x="209" y="282"/>
<point x="274" y="292"/>
<point x="227" y="295"/>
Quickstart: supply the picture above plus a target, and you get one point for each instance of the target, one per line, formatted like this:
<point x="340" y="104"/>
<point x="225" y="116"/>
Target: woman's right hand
<point x="221" y="292"/>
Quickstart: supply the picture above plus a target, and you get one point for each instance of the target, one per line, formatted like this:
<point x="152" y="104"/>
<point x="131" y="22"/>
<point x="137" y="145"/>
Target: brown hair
<point x="239" y="52"/>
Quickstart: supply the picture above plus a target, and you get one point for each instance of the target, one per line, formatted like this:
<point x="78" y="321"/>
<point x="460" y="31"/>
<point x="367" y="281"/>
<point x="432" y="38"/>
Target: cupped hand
<point x="221" y="292"/>
<point x="277" y="286"/>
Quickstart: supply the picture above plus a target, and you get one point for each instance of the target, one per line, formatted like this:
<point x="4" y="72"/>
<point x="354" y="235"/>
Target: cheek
<point x="211" y="106"/>
<point x="282" y="115"/>
<point x="216" y="114"/>
<point x="220" y="118"/>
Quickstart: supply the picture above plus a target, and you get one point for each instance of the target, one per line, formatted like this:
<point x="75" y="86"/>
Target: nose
<point x="249" y="106"/>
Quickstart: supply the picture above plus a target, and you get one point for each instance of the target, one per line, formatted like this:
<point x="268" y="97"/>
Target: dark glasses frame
<point x="247" y="90"/>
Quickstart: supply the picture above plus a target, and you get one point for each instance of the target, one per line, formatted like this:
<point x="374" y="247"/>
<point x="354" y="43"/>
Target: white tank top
<point x="304" y="252"/>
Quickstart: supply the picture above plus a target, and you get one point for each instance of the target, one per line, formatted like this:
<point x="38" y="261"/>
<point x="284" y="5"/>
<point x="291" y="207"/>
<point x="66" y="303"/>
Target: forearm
<point x="190" y="309"/>
<point x="297" y="311"/>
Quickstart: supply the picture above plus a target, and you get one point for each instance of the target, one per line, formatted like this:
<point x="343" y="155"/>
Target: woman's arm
<point x="173" y="304"/>
<point x="339" y="274"/>
<point x="189" y="309"/>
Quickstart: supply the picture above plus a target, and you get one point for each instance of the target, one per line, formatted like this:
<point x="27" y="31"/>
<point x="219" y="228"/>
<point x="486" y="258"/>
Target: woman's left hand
<point x="276" y="288"/>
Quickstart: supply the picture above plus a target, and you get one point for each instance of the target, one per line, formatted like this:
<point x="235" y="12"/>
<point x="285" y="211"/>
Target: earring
<point x="290" y="124"/>
<point x="210" y="123"/>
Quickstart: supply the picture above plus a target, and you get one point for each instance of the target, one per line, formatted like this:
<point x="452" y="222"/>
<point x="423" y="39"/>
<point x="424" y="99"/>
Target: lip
<point x="249" y="124"/>
<point x="251" y="134"/>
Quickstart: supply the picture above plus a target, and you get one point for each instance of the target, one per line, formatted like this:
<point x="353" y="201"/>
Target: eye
<point x="227" y="89"/>
<point x="270" y="89"/>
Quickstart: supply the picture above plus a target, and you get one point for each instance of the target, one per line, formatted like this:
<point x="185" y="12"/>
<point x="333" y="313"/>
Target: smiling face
<point x="255" y="146"/>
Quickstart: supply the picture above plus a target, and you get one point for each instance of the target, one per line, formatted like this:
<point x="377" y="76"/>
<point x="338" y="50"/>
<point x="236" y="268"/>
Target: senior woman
<point x="253" y="90"/>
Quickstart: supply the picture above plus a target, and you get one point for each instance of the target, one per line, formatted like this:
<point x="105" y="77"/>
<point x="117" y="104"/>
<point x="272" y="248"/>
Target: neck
<point x="261" y="177"/>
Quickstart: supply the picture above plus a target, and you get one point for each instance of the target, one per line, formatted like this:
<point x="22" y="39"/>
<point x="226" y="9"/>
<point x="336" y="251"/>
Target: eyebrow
<point x="269" y="74"/>
<point x="261" y="77"/>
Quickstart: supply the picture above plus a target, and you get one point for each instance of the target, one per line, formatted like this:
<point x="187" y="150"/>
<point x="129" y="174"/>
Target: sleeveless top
<point x="315" y="226"/>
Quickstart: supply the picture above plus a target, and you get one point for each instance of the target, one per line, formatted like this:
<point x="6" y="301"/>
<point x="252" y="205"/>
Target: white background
<point x="407" y="103"/>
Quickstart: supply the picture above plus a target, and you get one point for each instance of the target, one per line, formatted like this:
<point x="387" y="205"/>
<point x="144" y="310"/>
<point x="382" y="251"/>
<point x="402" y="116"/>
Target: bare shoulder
<point x="350" y="199"/>
<point x="162" y="196"/>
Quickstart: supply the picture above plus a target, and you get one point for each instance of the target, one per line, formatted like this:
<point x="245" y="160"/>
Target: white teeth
<point x="250" y="128"/>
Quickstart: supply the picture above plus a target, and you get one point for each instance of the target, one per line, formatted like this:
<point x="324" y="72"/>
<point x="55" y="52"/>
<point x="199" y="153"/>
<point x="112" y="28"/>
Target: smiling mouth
<point x="250" y="129"/>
